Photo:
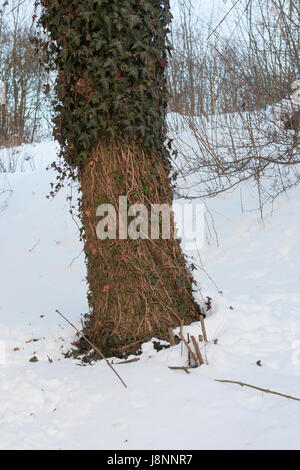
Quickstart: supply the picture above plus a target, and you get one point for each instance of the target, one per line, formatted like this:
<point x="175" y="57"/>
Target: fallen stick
<point x="258" y="388"/>
<point x="242" y="384"/>
<point x="186" y="369"/>
<point x="136" y="359"/>
<point x="93" y="346"/>
<point x="171" y="336"/>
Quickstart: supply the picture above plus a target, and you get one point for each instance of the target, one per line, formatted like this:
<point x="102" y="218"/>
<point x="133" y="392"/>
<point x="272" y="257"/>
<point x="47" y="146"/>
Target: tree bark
<point x="137" y="288"/>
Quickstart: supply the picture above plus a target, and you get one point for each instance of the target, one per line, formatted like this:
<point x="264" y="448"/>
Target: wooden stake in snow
<point x="203" y="328"/>
<point x="189" y="349"/>
<point x="197" y="349"/>
<point x="93" y="346"/>
<point x="186" y="369"/>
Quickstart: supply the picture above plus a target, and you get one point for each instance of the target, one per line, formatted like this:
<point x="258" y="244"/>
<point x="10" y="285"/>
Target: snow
<point x="287" y="107"/>
<point x="2" y="93"/>
<point x="251" y="270"/>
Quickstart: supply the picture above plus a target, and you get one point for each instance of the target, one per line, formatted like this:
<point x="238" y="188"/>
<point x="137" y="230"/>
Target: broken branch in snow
<point x="242" y="384"/>
<point x="189" y="349"/>
<point x="136" y="359"/>
<point x="203" y="328"/>
<point x="197" y="349"/>
<point x="93" y="346"/>
<point x="186" y="369"/>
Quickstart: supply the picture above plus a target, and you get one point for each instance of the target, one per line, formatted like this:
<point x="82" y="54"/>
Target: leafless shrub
<point x="14" y="159"/>
<point x="23" y="118"/>
<point x="234" y="117"/>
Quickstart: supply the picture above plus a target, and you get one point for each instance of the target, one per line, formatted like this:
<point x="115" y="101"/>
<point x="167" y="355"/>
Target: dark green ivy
<point x="111" y="57"/>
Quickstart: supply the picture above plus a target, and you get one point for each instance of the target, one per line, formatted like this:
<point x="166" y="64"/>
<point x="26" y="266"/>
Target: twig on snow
<point x="186" y="369"/>
<point x="34" y="246"/>
<point x="93" y="346"/>
<point x="189" y="349"/>
<point x="242" y="384"/>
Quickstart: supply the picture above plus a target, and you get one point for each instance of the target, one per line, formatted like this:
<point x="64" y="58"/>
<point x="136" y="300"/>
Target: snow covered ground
<point x="250" y="269"/>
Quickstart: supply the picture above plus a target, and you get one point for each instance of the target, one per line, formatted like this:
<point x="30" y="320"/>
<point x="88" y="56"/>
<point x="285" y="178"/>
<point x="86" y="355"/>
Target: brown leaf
<point x="80" y="83"/>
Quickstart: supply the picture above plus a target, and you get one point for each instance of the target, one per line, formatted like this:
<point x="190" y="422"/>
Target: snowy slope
<point x="253" y="277"/>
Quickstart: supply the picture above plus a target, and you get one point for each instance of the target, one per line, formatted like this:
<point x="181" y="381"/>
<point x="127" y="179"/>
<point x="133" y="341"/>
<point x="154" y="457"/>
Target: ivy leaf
<point x="33" y="359"/>
<point x="133" y="20"/>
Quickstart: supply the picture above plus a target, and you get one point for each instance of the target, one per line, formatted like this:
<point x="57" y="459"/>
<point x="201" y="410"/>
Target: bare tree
<point x="243" y="117"/>
<point x="23" y="117"/>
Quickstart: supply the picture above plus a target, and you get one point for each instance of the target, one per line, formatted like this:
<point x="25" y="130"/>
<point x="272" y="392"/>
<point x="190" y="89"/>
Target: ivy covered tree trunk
<point x="111" y="57"/>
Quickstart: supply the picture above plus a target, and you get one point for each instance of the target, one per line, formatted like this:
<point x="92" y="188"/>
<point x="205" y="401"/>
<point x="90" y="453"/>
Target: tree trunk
<point x="137" y="288"/>
<point x="110" y="121"/>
